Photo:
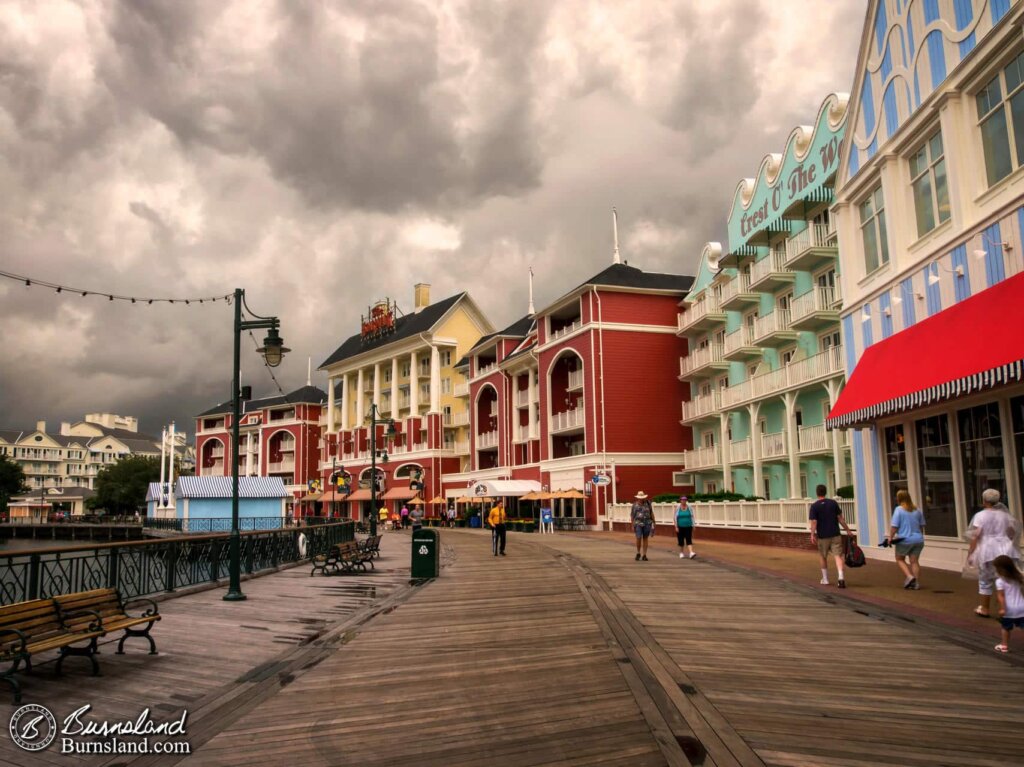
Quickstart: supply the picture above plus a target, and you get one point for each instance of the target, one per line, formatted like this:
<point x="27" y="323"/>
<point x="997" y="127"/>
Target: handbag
<point x="970" y="570"/>
<point x="854" y="553"/>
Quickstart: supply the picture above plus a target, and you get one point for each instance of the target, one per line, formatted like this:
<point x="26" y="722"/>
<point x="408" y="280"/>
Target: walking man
<point x="496" y="519"/>
<point x="826" y="517"/>
<point x="642" y="517"/>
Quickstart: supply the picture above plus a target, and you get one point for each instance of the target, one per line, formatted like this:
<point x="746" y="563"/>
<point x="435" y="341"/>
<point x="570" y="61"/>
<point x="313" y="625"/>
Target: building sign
<point x="807" y="178"/>
<point x="379" y="321"/>
<point x="480" y="489"/>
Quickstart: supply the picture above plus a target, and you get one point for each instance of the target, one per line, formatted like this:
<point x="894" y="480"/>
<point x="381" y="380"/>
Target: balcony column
<point x="414" y="385"/>
<point x="376" y="383"/>
<point x="435" y="380"/>
<point x="531" y="394"/>
<point x="360" y="404"/>
<point x="330" y="405"/>
<point x="394" y="387"/>
<point x="838" y="460"/>
<point x="754" y="408"/>
<point x="791" y="444"/>
<point x="726" y="450"/>
<point x="344" y="403"/>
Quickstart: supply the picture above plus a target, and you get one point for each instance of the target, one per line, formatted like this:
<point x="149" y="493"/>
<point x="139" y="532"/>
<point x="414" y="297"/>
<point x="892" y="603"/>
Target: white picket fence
<point x="758" y="515"/>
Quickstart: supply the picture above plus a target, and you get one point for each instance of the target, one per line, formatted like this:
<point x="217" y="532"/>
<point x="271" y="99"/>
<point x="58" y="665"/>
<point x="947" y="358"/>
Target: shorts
<point x="642" y="531"/>
<point x="1009" y="623"/>
<point x="833" y="545"/>
<point x="909" y="549"/>
<point x="684" y="535"/>
<point x="986" y="586"/>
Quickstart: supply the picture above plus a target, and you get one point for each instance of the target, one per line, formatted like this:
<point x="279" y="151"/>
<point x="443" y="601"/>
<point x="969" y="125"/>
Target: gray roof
<point x="305" y="395"/>
<point x="220" y="487"/>
<point x="10" y="435"/>
<point x="406" y="326"/>
<point x="626" y="276"/>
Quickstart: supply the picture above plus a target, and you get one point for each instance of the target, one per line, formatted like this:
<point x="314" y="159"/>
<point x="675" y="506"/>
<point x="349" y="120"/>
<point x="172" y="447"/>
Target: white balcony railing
<point x="457" y="419"/>
<point x="773" y="263"/>
<point x="575" y="380"/>
<point x="738" y="284"/>
<point x="814" y="236"/>
<point x="735" y="394"/>
<point x="522" y="433"/>
<point x="697" y="311"/>
<point x="822" y="365"/>
<point x="702" y="458"/>
<point x="699" y="358"/>
<point x="217" y="452"/>
<point x="814" y="439"/>
<point x="487" y="439"/>
<point x="461" y="447"/>
<point x="776" y="322"/>
<point x="765" y="515"/>
<point x="739" y="450"/>
<point x="739" y="338"/>
<point x="570" y="419"/>
<point x="702" y="405"/>
<point x="570" y="328"/>
<point x="461" y="390"/>
<point x="277" y="466"/>
<point x="773" y="445"/>
<point x="403" y="401"/>
<point x="820" y="299"/>
<point x="485" y="369"/>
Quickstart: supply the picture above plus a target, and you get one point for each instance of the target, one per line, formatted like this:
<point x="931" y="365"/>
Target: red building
<point x="278" y="437"/>
<point x="588" y="385"/>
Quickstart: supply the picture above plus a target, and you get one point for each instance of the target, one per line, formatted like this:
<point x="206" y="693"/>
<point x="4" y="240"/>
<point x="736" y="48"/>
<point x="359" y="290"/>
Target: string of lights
<point x="31" y="282"/>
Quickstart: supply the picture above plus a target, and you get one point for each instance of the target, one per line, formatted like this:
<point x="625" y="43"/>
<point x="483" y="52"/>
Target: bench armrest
<point x="20" y="635"/>
<point x="96" y="625"/>
<point x="153" y="609"/>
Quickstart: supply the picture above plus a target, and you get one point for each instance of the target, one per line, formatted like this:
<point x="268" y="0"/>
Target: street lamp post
<point x="273" y="350"/>
<point x="374" y="420"/>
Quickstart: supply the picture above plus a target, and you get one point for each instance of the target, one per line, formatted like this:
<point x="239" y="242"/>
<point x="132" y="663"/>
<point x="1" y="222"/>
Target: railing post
<point x="33" y="577"/>
<point x="278" y="538"/>
<point x="248" y="544"/>
<point x="113" y="570"/>
<point x="171" y="563"/>
<point x="215" y="547"/>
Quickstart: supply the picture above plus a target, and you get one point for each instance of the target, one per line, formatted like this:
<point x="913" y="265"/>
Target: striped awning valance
<point x="972" y="346"/>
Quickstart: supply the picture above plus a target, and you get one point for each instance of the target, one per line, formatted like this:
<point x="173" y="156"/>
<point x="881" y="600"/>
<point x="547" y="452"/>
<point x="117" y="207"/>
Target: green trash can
<point x="426" y="553"/>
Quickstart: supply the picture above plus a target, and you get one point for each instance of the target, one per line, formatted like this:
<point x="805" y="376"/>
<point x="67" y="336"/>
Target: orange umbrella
<point x="439" y="499"/>
<point x="416" y="502"/>
<point x="571" y="494"/>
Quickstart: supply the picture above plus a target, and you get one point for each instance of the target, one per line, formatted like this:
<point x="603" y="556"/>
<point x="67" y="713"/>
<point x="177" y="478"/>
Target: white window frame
<point x="928" y="173"/>
<point x="878" y="224"/>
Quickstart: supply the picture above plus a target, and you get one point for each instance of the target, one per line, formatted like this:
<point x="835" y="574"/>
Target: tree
<point x="12" y="481"/>
<point x="121" y="488"/>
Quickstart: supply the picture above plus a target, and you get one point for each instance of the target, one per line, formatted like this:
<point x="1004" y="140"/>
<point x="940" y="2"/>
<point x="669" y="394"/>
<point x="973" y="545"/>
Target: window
<point x="895" y="461"/>
<point x="710" y="487"/>
<point x="705" y="389"/>
<point x="387" y="375"/>
<point x="784" y="302"/>
<point x="1001" y="117"/>
<point x="928" y="180"/>
<point x="446" y="385"/>
<point x="935" y="464"/>
<point x="708" y="439"/>
<point x="786" y="356"/>
<point x="830" y="340"/>
<point x="1017" y="424"/>
<point x="981" y="450"/>
<point x="446" y="358"/>
<point x="723" y="382"/>
<point x="872" y="229"/>
<point x="405" y="370"/>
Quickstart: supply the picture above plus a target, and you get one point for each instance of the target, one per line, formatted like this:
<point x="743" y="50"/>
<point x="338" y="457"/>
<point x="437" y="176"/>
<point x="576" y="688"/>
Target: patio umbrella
<point x="572" y="494"/>
<point x="416" y="502"/>
<point x="464" y="499"/>
<point x="438" y="499"/>
<point x="531" y="496"/>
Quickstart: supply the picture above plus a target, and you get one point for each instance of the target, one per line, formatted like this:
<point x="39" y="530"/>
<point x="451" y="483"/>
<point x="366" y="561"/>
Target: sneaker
<point x="681" y="555"/>
<point x="842" y="583"/>
<point x="645" y="557"/>
<point x="823" y="581"/>
<point x="908" y="583"/>
<point x="693" y="555"/>
<point x="503" y="553"/>
<point x="915" y="585"/>
<point x="638" y="556"/>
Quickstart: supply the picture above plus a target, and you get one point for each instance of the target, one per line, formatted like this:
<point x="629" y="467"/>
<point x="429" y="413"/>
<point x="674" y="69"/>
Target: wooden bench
<point x="107" y="603"/>
<point x="29" y="628"/>
<point x="344" y="557"/>
<point x="371" y="546"/>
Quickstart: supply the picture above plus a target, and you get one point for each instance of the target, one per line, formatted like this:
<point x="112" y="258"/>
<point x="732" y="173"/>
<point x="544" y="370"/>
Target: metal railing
<point x="138" y="568"/>
<point x="217" y="524"/>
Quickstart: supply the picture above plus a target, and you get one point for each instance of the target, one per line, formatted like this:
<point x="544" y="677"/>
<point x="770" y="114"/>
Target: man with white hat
<point x="642" y="517"/>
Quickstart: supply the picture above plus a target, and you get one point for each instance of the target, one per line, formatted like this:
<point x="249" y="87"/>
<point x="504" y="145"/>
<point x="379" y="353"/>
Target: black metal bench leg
<point x="15" y="685"/>
<point x="89" y="652"/>
<point x="137" y="633"/>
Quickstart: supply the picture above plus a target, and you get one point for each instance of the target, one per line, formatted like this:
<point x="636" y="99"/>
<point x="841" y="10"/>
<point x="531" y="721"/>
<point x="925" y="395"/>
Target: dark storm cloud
<point x="323" y="154"/>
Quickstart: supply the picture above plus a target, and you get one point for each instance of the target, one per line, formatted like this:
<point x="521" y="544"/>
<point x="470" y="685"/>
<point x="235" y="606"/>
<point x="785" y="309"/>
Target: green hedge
<point x="845" y="492"/>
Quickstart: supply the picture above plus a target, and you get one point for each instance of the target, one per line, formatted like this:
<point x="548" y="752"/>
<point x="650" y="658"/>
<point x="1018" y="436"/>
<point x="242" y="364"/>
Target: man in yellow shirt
<point x="496" y="519"/>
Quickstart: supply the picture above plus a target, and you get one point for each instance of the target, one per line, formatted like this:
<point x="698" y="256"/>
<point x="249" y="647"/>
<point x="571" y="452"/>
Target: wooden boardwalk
<point x="566" y="652"/>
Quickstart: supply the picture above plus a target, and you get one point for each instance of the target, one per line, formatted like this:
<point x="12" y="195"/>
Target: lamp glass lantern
<point x="273" y="349"/>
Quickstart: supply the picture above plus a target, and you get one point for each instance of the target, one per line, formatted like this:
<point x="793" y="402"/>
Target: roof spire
<point x="531" y="310"/>
<point x="309" y="371"/>
<point x="615" y="235"/>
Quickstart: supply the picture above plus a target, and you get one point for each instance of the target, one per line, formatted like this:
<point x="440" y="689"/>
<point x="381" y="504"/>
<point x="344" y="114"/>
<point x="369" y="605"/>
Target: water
<point x="28" y="545"/>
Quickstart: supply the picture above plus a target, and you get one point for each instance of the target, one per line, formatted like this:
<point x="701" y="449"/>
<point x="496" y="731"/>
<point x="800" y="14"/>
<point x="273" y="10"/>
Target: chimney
<point x="421" y="296"/>
<point x="65" y="428"/>
<point x="41" y="426"/>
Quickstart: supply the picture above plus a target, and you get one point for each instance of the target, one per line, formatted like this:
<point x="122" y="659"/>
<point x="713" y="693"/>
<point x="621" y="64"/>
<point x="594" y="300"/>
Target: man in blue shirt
<point x="826" y="517"/>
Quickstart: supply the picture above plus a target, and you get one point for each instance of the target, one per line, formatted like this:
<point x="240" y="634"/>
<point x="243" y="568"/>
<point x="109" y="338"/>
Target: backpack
<point x="854" y="553"/>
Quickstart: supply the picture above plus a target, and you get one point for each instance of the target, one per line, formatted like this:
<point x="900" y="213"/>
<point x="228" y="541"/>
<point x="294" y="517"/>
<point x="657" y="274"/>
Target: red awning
<point x="973" y="345"/>
<point x="360" y="495"/>
<point x="400" y="494"/>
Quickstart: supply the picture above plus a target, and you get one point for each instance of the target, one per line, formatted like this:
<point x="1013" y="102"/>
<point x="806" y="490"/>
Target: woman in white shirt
<point x="993" y="533"/>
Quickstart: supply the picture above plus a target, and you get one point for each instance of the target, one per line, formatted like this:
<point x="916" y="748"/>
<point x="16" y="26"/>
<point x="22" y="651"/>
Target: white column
<point x="344" y="402"/>
<point x="376" y="384"/>
<point x="414" y="385"/>
<point x="394" y="387"/>
<point x="791" y="444"/>
<point x="330" y="405"/>
<point x="163" y="459"/>
<point x="170" y="465"/>
<point x="754" y="409"/>
<point x="531" y="394"/>
<point x="838" y="461"/>
<point x="726" y="449"/>
<point x="435" y="380"/>
<point x="360" y="404"/>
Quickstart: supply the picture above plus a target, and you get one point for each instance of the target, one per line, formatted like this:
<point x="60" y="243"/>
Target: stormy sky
<point x="321" y="154"/>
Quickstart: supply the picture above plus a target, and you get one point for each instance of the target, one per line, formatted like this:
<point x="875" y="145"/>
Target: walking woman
<point x="684" y="528"/>
<point x="993" y="533"/>
<point x="907" y="536"/>
<point x="642" y="518"/>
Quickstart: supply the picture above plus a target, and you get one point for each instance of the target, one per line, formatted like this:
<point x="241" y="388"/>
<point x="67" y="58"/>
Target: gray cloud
<point x="322" y="154"/>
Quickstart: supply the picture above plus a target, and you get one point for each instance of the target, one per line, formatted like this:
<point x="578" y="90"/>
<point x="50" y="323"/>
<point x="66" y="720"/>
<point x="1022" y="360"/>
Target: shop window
<point x="928" y="180"/>
<point x="935" y="465"/>
<point x="872" y="229"/>
<point x="1001" y="120"/>
<point x="981" y="451"/>
<point x="1017" y="424"/>
<point x="895" y="461"/>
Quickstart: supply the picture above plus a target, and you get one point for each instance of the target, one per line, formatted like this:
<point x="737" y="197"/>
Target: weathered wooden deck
<point x="565" y="652"/>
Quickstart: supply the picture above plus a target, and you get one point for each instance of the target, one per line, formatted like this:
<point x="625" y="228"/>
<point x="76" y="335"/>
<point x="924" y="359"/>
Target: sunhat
<point x="682" y="498"/>
<point x="641" y="494"/>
